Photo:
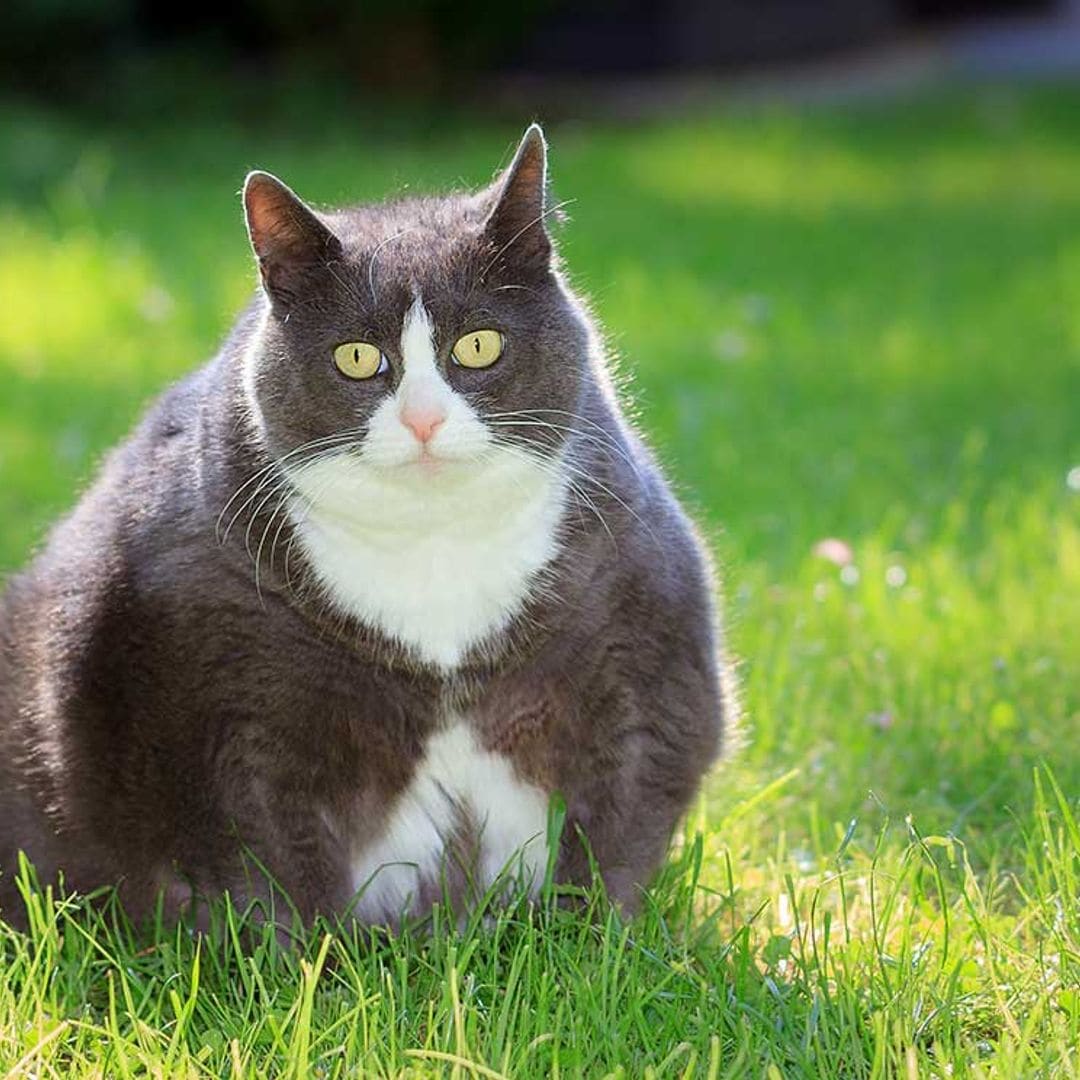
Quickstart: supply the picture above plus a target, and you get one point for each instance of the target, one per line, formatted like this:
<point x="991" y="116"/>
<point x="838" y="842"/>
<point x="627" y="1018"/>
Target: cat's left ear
<point x="516" y="223"/>
<point x="289" y="241"/>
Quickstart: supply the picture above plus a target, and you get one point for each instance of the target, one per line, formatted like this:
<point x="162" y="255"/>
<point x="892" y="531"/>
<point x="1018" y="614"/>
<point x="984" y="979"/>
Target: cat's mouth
<point x="427" y="461"/>
<point x="427" y="458"/>
<point x="421" y="465"/>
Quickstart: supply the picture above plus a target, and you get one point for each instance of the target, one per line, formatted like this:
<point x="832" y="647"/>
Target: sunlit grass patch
<point x="891" y="958"/>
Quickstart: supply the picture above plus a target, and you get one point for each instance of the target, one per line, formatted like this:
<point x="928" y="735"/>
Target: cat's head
<point x="421" y="336"/>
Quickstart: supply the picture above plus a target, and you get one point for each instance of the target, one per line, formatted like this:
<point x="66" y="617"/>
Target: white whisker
<point x="556" y="471"/>
<point x="601" y="432"/>
<point x="260" y="474"/>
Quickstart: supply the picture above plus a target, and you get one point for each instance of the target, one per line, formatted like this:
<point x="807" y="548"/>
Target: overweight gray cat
<point x="361" y="594"/>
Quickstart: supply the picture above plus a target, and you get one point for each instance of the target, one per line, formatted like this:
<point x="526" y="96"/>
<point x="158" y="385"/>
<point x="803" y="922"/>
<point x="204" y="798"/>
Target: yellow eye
<point x="360" y="360"/>
<point x="479" y="349"/>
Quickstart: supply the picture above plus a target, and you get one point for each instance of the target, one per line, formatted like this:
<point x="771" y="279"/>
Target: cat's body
<point x="480" y="594"/>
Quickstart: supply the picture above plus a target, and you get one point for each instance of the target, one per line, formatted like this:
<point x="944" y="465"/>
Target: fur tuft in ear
<point x="516" y="224"/>
<point x="288" y="239"/>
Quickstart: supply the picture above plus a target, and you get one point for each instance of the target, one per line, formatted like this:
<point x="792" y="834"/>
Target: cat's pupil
<point x="476" y="343"/>
<point x="356" y="356"/>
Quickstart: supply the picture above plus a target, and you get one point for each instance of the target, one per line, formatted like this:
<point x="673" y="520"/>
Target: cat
<point x="363" y="594"/>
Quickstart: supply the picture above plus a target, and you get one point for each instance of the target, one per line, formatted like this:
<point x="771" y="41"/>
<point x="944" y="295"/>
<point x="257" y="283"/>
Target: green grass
<point x="860" y="323"/>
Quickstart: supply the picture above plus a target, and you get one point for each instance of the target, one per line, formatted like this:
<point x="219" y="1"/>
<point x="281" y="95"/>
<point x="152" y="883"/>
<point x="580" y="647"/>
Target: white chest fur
<point x="435" y="562"/>
<point x="456" y="778"/>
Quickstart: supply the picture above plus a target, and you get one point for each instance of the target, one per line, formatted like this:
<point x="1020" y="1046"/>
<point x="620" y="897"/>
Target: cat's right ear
<point x="288" y="239"/>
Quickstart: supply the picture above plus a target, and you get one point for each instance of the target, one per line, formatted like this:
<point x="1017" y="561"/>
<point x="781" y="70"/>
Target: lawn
<point x="859" y="323"/>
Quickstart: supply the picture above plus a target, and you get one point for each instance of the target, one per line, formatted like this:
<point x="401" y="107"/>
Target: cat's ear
<point x="516" y="223"/>
<point x="289" y="241"/>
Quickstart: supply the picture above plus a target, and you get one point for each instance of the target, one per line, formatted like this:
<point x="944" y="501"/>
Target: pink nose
<point x="422" y="422"/>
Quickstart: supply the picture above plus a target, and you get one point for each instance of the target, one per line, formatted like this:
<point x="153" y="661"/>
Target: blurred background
<point x="836" y="250"/>
<point x="471" y="48"/>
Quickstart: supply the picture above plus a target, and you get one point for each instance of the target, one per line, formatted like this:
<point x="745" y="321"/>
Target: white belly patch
<point x="456" y="780"/>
